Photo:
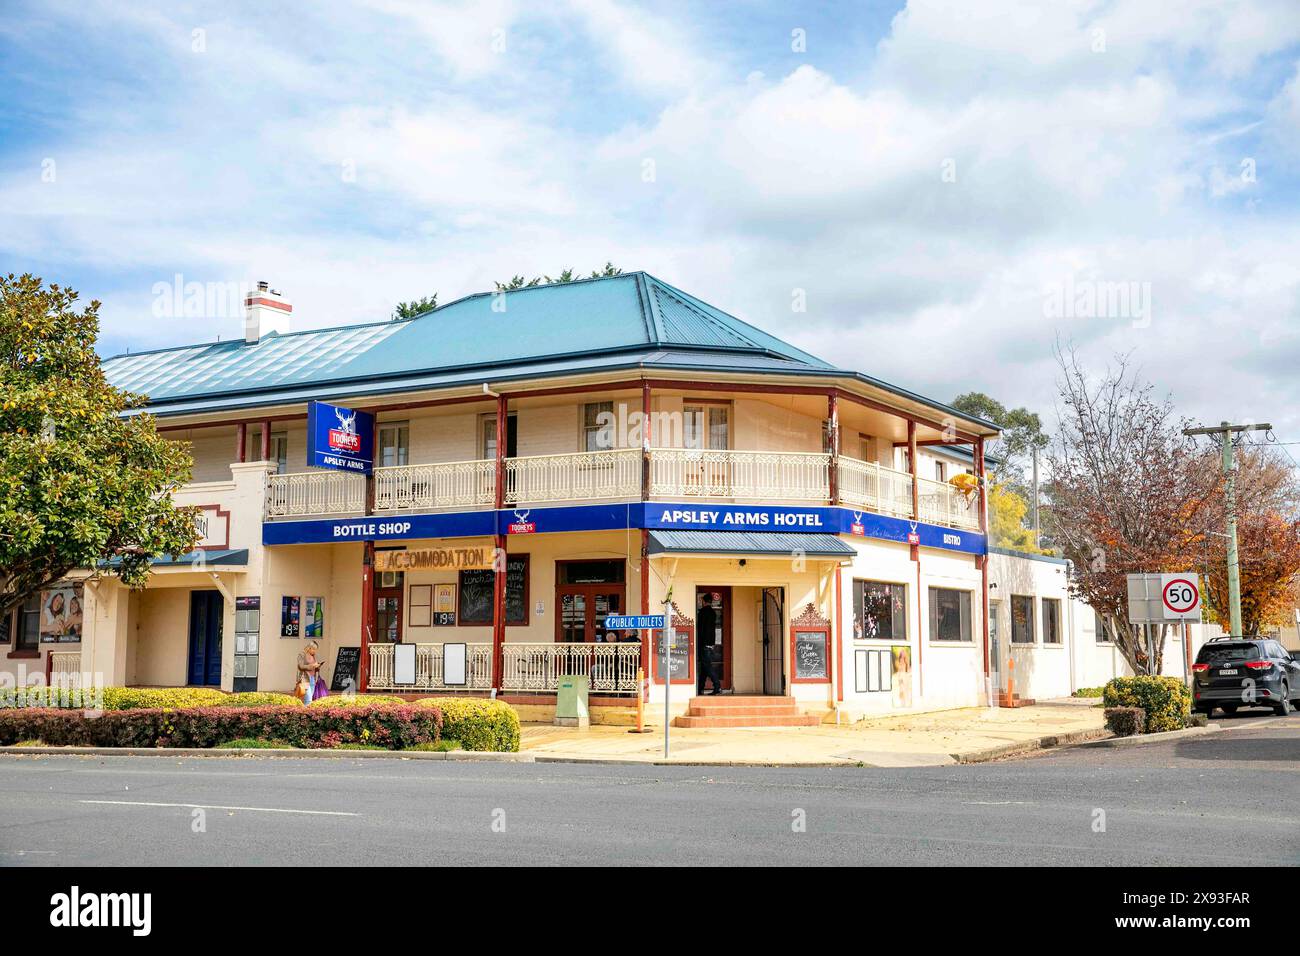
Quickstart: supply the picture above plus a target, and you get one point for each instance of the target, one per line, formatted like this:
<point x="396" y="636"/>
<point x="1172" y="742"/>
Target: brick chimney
<point x="265" y="311"/>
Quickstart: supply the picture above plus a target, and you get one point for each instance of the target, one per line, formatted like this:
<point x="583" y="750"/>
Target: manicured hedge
<point x="393" y="728"/>
<point x="259" y="698"/>
<point x="1125" y="721"/>
<point x="1166" y="700"/>
<point x="113" y="698"/>
<point x="357" y="700"/>
<point x="478" y="724"/>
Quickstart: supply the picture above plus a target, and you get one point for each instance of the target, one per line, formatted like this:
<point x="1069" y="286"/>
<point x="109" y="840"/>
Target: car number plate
<point x="1227" y="671"/>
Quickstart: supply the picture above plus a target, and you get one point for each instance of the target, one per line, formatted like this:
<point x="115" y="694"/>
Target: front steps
<point x="1013" y="700"/>
<point x="729" y="710"/>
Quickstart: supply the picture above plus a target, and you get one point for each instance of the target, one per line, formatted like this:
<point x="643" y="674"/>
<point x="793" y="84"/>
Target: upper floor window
<point x="1022" y="619"/>
<point x="488" y="436"/>
<point x="940" y="471"/>
<point x="597" y="426"/>
<point x="280" y="452"/>
<point x="394" y="444"/>
<point x="706" y="426"/>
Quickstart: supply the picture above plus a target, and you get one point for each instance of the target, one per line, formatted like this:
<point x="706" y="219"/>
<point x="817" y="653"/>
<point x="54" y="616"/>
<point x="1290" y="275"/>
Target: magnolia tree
<point x="1127" y="491"/>
<point x="81" y="483"/>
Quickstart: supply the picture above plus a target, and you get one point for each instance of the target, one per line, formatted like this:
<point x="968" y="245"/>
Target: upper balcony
<point x="669" y="474"/>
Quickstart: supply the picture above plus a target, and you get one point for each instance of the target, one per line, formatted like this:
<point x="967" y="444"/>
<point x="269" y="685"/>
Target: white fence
<point x="942" y="503"/>
<point x="590" y="475"/>
<point x="782" y="476"/>
<point x="315" y="493"/>
<point x="428" y="668"/>
<point x="534" y="668"/>
<point x="875" y="487"/>
<point x="452" y="484"/>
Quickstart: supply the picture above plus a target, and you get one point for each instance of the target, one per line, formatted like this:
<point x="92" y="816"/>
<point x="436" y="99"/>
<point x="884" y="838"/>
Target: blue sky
<point x="930" y="178"/>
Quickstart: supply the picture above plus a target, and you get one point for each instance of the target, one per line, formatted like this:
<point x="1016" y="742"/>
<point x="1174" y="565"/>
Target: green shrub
<point x="478" y="723"/>
<point x="253" y="743"/>
<point x="359" y="700"/>
<point x="394" y="728"/>
<point x="1197" y="720"/>
<point x="1089" y="692"/>
<point x="1125" y="721"/>
<point x="173" y="698"/>
<point x="260" y="698"/>
<point x="442" y="746"/>
<point x="1166" y="700"/>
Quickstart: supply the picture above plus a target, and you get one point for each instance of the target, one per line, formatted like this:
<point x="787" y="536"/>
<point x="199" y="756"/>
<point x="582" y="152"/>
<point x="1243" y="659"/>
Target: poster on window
<point x="901" y="659"/>
<point x="290" y="608"/>
<point x="61" y="614"/>
<point x="313" y="618"/>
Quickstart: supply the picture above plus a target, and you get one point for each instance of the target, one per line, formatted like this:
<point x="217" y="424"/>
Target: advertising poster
<point x="901" y="656"/>
<point x="61" y="614"/>
<point x="313" y="621"/>
<point x="289" y="611"/>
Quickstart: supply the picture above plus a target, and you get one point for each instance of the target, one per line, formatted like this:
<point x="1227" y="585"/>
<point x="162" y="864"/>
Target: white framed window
<point x="706" y="426"/>
<point x="280" y="452"/>
<point x="393" y="444"/>
<point x="1022" y="619"/>
<point x="940" y="471"/>
<point x="950" y="615"/>
<point x="597" y="426"/>
<point x="488" y="436"/>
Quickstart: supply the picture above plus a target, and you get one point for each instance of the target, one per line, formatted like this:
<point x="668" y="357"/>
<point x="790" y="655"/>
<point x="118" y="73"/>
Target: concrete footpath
<point x="967" y="735"/>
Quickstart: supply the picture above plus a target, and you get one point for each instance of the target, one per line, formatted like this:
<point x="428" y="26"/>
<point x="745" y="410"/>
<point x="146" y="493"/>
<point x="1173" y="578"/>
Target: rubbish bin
<point x="571" y="701"/>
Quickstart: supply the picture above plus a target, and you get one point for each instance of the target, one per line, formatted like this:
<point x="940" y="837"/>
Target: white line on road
<point x="204" y="806"/>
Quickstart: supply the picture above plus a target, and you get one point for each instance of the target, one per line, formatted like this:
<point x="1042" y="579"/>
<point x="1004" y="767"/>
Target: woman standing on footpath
<point x="308" y="672"/>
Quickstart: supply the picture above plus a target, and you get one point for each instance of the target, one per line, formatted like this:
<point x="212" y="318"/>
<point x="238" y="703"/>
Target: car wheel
<point x="1228" y="709"/>
<point x="1283" y="707"/>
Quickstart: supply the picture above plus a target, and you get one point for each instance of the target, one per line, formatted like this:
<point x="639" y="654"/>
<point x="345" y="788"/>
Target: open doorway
<point x="713" y="628"/>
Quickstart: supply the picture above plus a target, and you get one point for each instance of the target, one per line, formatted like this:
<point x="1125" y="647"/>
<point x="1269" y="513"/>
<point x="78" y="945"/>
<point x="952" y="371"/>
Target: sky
<point x="934" y="193"/>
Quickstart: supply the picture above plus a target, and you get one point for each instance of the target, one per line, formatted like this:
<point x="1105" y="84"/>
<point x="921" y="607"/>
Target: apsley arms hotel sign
<point x="341" y="438"/>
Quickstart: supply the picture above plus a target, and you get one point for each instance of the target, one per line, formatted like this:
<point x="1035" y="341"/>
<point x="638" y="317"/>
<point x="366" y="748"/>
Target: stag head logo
<point x="347" y="421"/>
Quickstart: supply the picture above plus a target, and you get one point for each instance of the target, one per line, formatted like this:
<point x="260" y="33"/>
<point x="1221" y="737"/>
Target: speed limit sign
<point x="1180" y="596"/>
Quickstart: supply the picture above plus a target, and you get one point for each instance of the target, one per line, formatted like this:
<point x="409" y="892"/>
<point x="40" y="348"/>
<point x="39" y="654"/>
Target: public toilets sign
<point x="341" y="438"/>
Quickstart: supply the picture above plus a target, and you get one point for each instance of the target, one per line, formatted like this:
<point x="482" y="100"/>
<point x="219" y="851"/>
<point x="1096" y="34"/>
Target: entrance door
<point x="995" y="647"/>
<point x="718" y="599"/>
<point x="587" y="591"/>
<point x="773" y="623"/>
<point x="207" y="613"/>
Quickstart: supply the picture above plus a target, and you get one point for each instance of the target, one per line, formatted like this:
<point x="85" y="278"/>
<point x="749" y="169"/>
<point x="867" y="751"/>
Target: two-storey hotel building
<point x="544" y="458"/>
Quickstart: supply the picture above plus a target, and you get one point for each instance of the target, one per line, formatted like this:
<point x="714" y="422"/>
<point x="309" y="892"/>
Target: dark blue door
<point x="206" y="614"/>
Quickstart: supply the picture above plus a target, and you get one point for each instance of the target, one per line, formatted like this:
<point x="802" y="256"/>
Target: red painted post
<point x="367" y="610"/>
<point x="266" y="440"/>
<point x="833" y="417"/>
<point x="911" y="467"/>
<point x="241" y="442"/>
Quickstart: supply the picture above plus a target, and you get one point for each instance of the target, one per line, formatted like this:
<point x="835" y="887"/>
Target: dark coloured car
<point x="1232" y="672"/>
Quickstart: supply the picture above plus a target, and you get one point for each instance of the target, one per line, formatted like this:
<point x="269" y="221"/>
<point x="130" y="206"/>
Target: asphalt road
<point x="1227" y="798"/>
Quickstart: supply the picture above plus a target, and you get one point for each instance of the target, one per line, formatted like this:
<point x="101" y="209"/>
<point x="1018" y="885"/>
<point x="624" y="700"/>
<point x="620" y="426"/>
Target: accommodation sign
<point x="435" y="559"/>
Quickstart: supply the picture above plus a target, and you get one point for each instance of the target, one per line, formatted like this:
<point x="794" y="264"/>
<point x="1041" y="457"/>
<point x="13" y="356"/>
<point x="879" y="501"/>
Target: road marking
<point x="204" y="806"/>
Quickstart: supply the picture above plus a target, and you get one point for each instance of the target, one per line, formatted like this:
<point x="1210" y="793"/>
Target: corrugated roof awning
<point x="759" y="543"/>
<point x="197" y="560"/>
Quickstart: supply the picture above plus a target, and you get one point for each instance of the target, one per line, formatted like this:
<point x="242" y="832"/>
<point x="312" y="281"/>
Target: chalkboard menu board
<point x="477" y="590"/>
<point x="679" y="657"/>
<point x="347" y="669"/>
<point x="810" y="655"/>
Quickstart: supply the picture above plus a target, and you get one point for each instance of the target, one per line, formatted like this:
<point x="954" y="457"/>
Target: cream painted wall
<point x="159" y="644"/>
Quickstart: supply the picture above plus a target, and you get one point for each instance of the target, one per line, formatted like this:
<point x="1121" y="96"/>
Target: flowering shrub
<point x="390" y="727"/>
<point x="477" y="723"/>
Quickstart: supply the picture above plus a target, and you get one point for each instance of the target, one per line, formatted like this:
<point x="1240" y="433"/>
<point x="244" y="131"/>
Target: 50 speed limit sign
<point x="1181" y="596"/>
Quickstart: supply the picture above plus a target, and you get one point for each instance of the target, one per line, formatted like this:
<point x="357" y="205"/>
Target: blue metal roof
<point x="783" y="543"/>
<point x="630" y="321"/>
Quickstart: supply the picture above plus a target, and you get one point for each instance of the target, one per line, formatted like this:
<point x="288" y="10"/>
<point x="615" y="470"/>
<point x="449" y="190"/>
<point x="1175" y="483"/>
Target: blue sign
<point x="623" y="515"/>
<point x="341" y="438"/>
<point x="634" y="622"/>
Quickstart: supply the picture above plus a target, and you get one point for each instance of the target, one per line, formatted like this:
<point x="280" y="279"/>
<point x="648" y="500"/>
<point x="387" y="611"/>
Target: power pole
<point x="1226" y="431"/>
<point x="1035" y="496"/>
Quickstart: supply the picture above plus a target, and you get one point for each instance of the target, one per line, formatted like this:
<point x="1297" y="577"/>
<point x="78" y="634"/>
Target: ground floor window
<point x="476" y="593"/>
<point x="1022" y="619"/>
<point x="25" y="631"/>
<point x="879" y="611"/>
<point x="1051" y="621"/>
<point x="950" y="613"/>
<point x="585" y="593"/>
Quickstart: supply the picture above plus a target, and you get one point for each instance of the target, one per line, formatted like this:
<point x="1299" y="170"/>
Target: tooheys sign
<point x="341" y="438"/>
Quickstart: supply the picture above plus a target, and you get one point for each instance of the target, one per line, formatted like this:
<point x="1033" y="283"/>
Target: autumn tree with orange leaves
<point x="1127" y="491"/>
<point x="1268" y="541"/>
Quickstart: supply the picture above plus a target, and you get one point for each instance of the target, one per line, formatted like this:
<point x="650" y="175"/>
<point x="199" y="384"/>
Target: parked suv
<point x="1234" y="672"/>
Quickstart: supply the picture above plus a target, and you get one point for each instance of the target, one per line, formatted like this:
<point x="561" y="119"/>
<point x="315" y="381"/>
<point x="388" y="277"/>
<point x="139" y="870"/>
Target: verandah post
<point x="911" y="467"/>
<point x="645" y="535"/>
<point x="367" y="611"/>
<point x="833" y="443"/>
<point x="499" y="543"/>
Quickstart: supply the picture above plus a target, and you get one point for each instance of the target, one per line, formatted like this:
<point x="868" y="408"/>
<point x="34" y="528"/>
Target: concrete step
<point x="739" y="701"/>
<point x="711" y="708"/>
<point x="749" y="720"/>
